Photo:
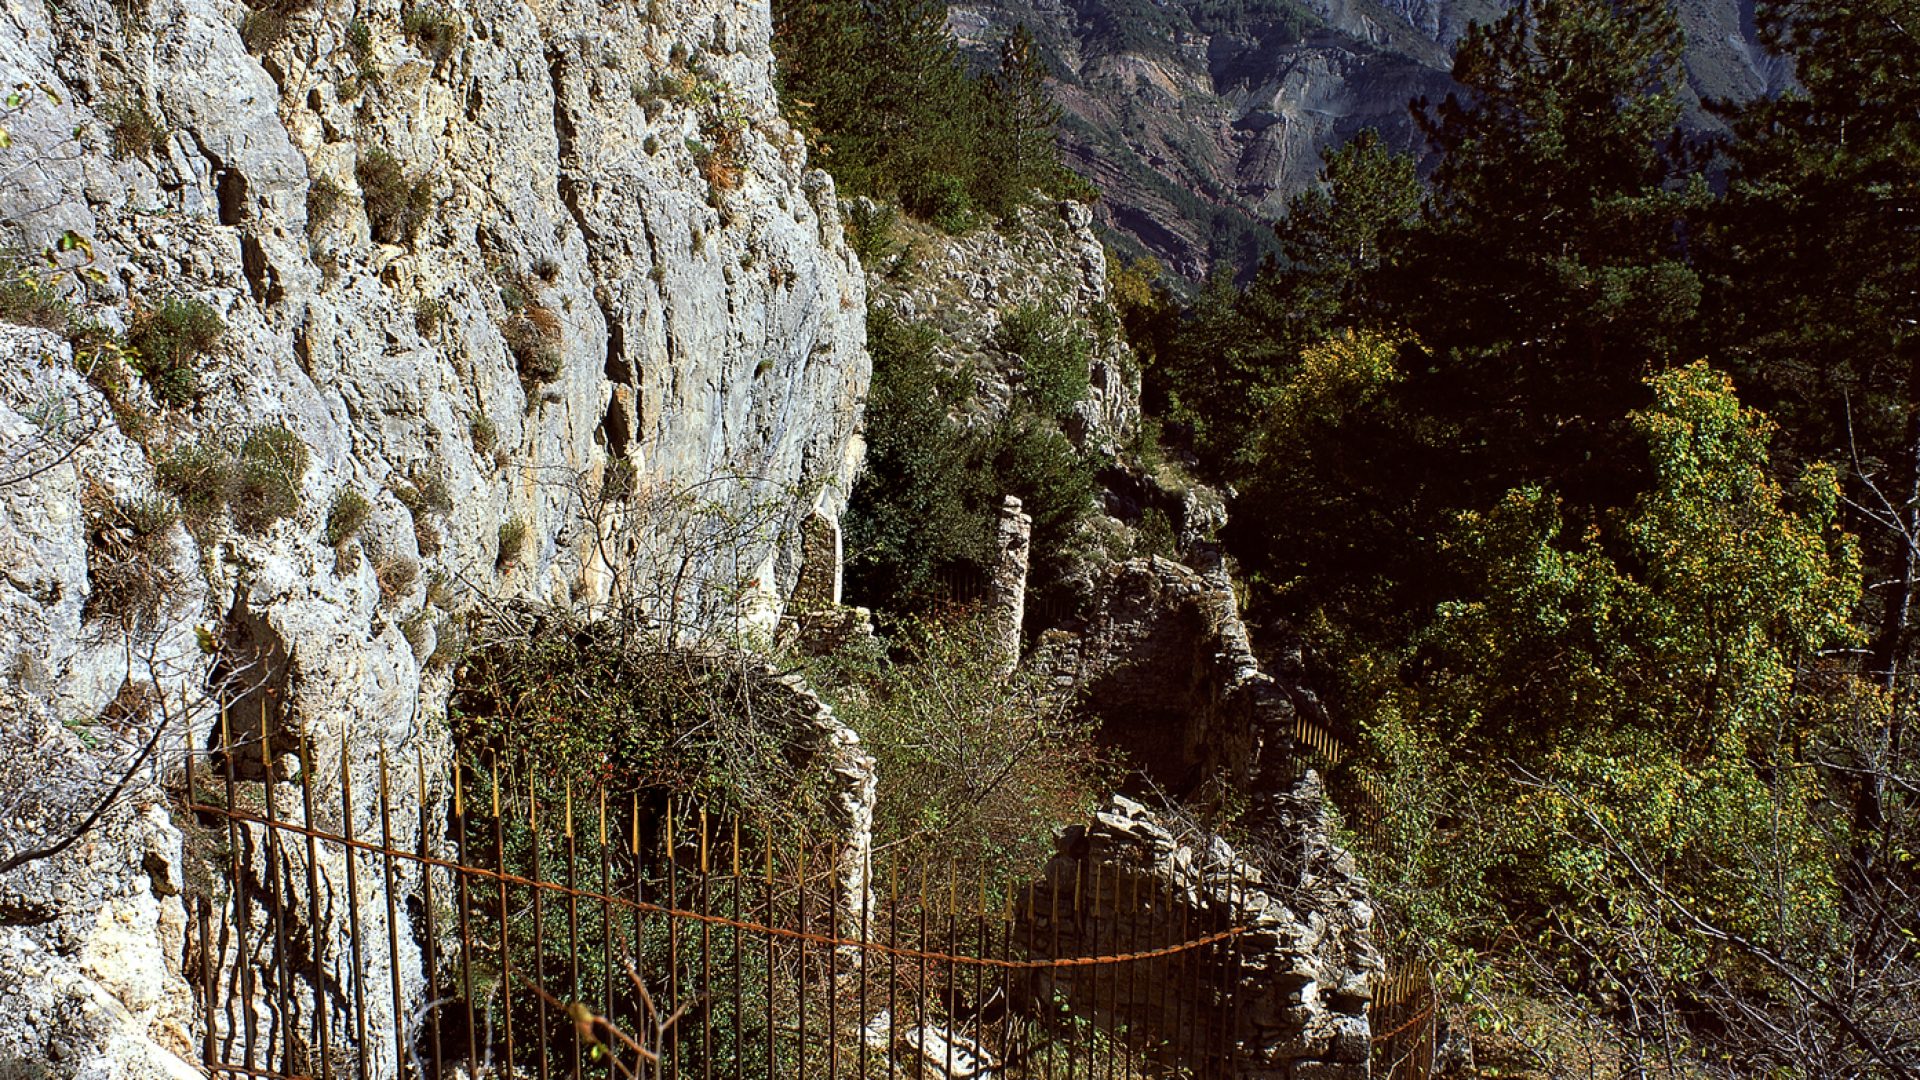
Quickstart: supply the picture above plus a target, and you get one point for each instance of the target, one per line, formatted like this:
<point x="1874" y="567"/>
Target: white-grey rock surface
<point x="621" y="168"/>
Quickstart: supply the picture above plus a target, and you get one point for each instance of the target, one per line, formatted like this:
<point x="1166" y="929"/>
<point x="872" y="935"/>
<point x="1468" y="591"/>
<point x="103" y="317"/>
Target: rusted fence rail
<point x="613" y="935"/>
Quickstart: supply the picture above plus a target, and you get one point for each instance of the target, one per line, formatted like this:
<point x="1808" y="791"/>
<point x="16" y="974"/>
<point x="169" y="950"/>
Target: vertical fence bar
<point x="706" y="955"/>
<point x="640" y="927"/>
<point x="317" y="941"/>
<point x="281" y="965"/>
<point x="573" y="932"/>
<point x="773" y="1039"/>
<point x="739" y="1034"/>
<point x="953" y="1003"/>
<point x="242" y="980"/>
<point x="466" y="921"/>
<point x="800" y="983"/>
<point x="865" y="958"/>
<point x="209" y="977"/>
<point x="506" y="937"/>
<point x="893" y="965"/>
<point x="981" y="950"/>
<point x="393" y="922"/>
<point x="673" y="941"/>
<point x="432" y="959"/>
<point x="832" y="930"/>
<point x="920" y="999"/>
<point x="352" y="856"/>
<point x="608" y="914"/>
<point x="540" y="1023"/>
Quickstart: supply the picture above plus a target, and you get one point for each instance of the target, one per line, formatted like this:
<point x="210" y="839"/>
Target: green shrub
<point x="325" y="200"/>
<point x="29" y="298"/>
<point x="428" y="314"/>
<point x="873" y="230"/>
<point x="396" y="206"/>
<point x="929" y="498"/>
<point x="201" y="477"/>
<point x="485" y="433"/>
<point x="166" y="343"/>
<point x="1052" y="356"/>
<point x="269" y="472"/>
<point x="132" y="130"/>
<point x="130" y="558"/>
<point x="513" y="541"/>
<point x="981" y="767"/>
<point x="435" y="30"/>
<point x="347" y="516"/>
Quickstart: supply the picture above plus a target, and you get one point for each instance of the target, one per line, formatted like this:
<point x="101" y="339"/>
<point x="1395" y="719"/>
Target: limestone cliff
<point x="612" y="302"/>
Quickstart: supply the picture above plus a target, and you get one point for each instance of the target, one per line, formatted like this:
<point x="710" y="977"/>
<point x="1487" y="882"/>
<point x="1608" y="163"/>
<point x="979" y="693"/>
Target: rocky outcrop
<point x="551" y="286"/>
<point x="1284" y="996"/>
<point x="1163" y="663"/>
<point x="1047" y="257"/>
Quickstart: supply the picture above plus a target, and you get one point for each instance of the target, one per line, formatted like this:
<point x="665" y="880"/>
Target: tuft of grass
<point x="514" y="533"/>
<point x="132" y="130"/>
<point x="28" y="298"/>
<point x="347" y="516"/>
<point x="325" y="200"/>
<point x="434" y="30"/>
<point x="428" y="314"/>
<point x="534" y="337"/>
<point x="395" y="576"/>
<point x="485" y="433"/>
<point x="261" y="30"/>
<point x="397" y="206"/>
<point x="200" y="477"/>
<point x="130" y="558"/>
<point x="166" y="343"/>
<point x="268" y="474"/>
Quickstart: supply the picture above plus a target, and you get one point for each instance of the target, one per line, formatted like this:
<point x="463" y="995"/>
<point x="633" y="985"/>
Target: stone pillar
<point x="1007" y="582"/>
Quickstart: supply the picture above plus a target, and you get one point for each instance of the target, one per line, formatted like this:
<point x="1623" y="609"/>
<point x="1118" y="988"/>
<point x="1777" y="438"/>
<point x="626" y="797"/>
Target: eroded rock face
<point x="621" y="256"/>
<point x="1048" y="257"/>
<point x="1164" y="664"/>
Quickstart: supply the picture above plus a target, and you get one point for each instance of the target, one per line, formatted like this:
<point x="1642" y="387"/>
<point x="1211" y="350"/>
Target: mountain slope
<point x="1197" y="119"/>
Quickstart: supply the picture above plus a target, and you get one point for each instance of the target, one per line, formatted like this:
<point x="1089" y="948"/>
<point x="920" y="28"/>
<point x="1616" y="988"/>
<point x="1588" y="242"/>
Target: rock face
<point x="1286" y="996"/>
<point x="550" y="285"/>
<point x="1197" y="121"/>
<point x="1164" y="663"/>
<point x="1047" y="257"/>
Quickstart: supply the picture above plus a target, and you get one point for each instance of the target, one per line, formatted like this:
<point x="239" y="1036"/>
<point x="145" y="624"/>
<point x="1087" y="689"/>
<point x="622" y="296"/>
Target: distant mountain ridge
<point x="1197" y="119"/>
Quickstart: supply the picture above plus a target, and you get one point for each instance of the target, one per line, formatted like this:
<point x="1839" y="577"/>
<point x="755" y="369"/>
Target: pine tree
<point x="1549" y="278"/>
<point x="1018" y="154"/>
<point x="1816" y="255"/>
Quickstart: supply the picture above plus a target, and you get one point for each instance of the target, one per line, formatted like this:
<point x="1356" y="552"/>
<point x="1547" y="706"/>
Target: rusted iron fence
<point x="627" y="936"/>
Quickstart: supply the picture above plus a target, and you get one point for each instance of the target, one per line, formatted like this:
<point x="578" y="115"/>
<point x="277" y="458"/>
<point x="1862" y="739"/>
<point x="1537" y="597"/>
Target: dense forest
<point x="1584" y="473"/>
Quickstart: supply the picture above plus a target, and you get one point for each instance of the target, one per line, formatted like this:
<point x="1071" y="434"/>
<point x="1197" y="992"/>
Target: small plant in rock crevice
<point x="166" y="341"/>
<point x="131" y="558"/>
<point x="347" y="516"/>
<point x="534" y="335"/>
<point x="514" y="534"/>
<point x="132" y="129"/>
<point x="397" y="205"/>
<point x="258" y="481"/>
<point x="325" y="200"/>
<point x="433" y="29"/>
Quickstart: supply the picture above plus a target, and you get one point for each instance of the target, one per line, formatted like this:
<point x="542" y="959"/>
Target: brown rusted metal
<point x="797" y="977"/>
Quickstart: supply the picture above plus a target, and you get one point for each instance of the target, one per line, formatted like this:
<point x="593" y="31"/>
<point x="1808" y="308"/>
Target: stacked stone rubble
<point x="1284" y="998"/>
